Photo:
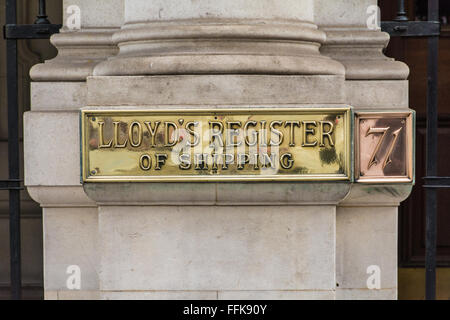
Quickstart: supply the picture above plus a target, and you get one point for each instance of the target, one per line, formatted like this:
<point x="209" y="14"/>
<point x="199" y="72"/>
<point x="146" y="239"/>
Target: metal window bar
<point x="431" y="29"/>
<point x="13" y="154"/>
<point x="42" y="29"/>
<point x="401" y="14"/>
<point x="432" y="155"/>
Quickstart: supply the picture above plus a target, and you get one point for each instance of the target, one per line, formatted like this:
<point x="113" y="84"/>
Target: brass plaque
<point x="384" y="147"/>
<point x="216" y="145"/>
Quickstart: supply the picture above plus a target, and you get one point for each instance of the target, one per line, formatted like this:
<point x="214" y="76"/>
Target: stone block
<point x="217" y="248"/>
<point x="366" y="236"/>
<point x="70" y="238"/>
<point x="52" y="148"/>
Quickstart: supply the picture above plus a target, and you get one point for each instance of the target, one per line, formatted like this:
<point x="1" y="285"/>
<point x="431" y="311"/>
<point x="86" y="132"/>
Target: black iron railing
<point x="42" y="29"/>
<point x="431" y="29"/>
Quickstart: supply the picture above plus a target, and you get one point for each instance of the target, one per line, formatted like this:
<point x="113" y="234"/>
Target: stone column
<point x="217" y="240"/>
<point x="366" y="221"/>
<point x="210" y="240"/>
<point x="51" y="141"/>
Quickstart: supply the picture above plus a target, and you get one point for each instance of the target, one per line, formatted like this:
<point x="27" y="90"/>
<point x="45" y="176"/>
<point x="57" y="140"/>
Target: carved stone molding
<point x="78" y="53"/>
<point x="377" y="195"/>
<point x="219" y="47"/>
<point x="60" y="197"/>
<point x="361" y="52"/>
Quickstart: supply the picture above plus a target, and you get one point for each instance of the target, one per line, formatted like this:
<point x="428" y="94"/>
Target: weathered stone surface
<point x="284" y="193"/>
<point x="58" y="96"/>
<point x="377" y="95"/>
<point x="366" y="236"/>
<point x="70" y="238"/>
<point x="156" y="10"/>
<point x="341" y="12"/>
<point x="211" y="37"/>
<point x="361" y="51"/>
<point x="223" y="194"/>
<point x="61" y="196"/>
<point x="225" y="90"/>
<point x="79" y="52"/>
<point x="354" y="38"/>
<point x="366" y="195"/>
<point x="217" y="248"/>
<point x="98" y="13"/>
<point x="52" y="152"/>
<point x="366" y="294"/>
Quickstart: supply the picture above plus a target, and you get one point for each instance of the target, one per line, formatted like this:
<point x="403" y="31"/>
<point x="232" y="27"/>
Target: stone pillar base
<point x="217" y="252"/>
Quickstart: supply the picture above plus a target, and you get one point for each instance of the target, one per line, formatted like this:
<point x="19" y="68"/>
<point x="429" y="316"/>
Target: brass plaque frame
<point x="409" y="118"/>
<point x="346" y="112"/>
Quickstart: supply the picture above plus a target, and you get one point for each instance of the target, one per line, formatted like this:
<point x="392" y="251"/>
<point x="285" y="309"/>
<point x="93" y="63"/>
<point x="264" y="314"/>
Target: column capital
<point x="232" y="37"/>
<point x="353" y="39"/>
<point x="78" y="53"/>
<point x="360" y="50"/>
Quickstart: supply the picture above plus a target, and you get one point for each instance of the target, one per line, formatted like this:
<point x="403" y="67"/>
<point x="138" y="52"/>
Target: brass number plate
<point x="384" y="147"/>
<point x="216" y="145"/>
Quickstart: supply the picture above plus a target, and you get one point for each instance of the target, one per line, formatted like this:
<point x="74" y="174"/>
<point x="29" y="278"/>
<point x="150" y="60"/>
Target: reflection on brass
<point x="384" y="147"/>
<point x="266" y="144"/>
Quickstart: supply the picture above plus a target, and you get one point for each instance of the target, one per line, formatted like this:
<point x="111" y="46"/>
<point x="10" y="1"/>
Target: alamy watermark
<point x="73" y="21"/>
<point x="374" y="280"/>
<point x="73" y="282"/>
<point x="373" y="17"/>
